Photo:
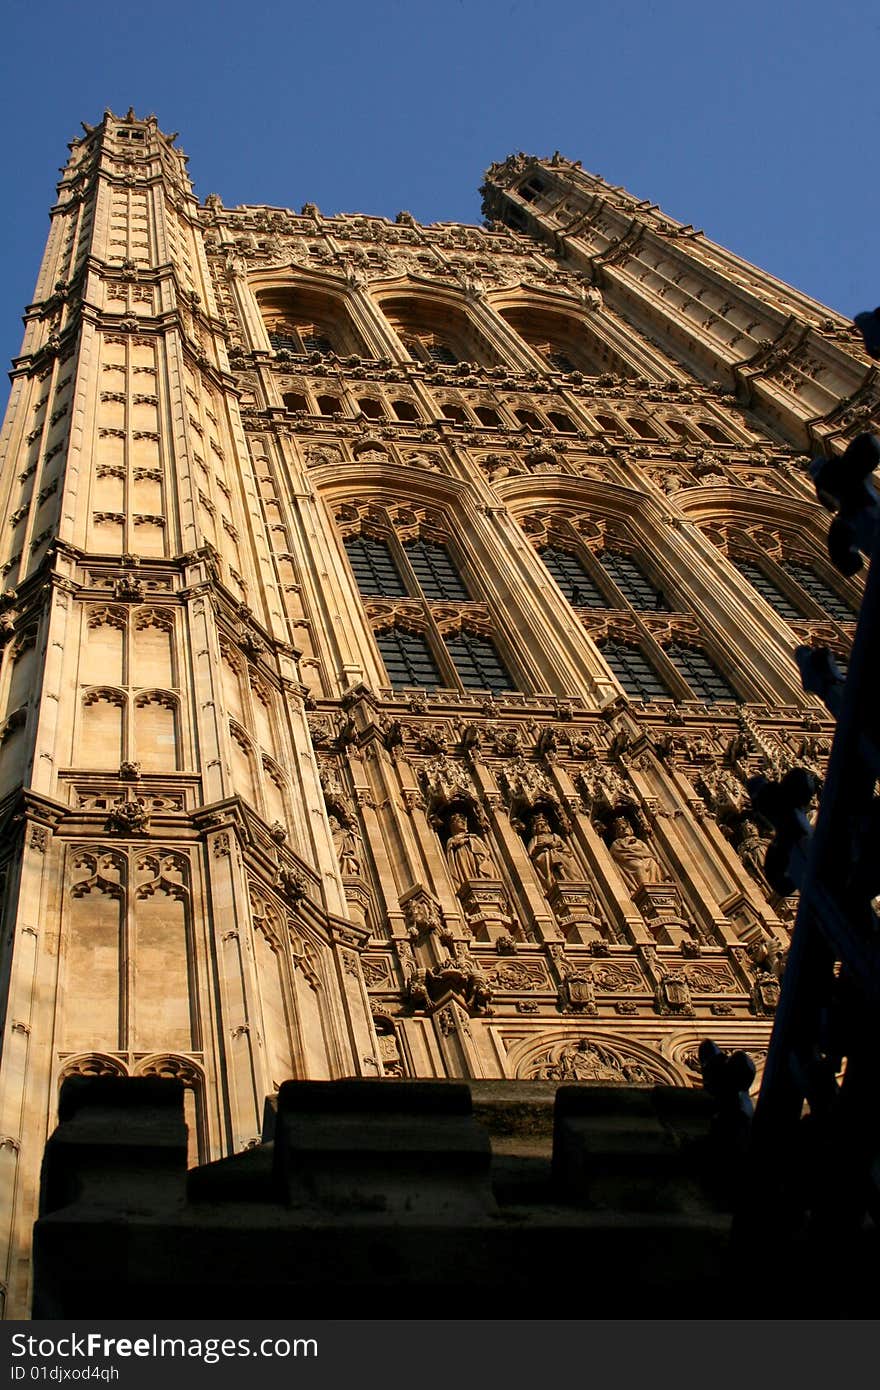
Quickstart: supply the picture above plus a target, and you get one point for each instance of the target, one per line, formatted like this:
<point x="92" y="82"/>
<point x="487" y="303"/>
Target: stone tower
<point x="391" y="617"/>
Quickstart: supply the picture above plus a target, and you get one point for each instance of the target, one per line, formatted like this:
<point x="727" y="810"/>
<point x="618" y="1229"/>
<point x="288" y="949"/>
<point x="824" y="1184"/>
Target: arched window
<point x="579" y="587"/>
<point x="714" y="432"/>
<point x="477" y="662"/>
<point x="819" y="591"/>
<point x="407" y="658"/>
<point x="437" y="576"/>
<point x="632" y="582"/>
<point x="374" y="569"/>
<point x="487" y="416"/>
<point x="765" y="586"/>
<point x="701" y="674"/>
<point x="405" y="410"/>
<point x="371" y="408"/>
<point x="632" y="668"/>
<point x="454" y="412"/>
<point x="330" y="405"/>
<point x="560" y="361"/>
<point x="429" y="348"/>
<point x="529" y="419"/>
<point x="562" y="422"/>
<point x="428" y="642"/>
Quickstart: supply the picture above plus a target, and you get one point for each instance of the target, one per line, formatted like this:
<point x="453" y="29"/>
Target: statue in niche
<point x="633" y="857"/>
<point x="551" y="856"/>
<point x="346" y="843"/>
<point x="467" y="855"/>
<point x="752" y="848"/>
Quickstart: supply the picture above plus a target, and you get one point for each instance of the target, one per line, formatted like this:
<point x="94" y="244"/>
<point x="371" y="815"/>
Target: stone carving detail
<point x="468" y="857"/>
<point x="595" y="1062"/>
<point x="129" y="816"/>
<point x="634" y="858"/>
<point x="518" y="975"/>
<point x="550" y="854"/>
<point x="421" y="912"/>
<point x="348" y="847"/>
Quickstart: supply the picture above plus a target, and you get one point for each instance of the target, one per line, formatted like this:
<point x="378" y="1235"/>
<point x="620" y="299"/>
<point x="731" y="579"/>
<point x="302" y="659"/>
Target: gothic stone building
<point x="391" y="617"/>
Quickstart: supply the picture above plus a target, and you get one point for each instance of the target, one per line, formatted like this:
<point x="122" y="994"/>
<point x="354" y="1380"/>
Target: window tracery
<point x="616" y="591"/>
<point x="439" y="635"/>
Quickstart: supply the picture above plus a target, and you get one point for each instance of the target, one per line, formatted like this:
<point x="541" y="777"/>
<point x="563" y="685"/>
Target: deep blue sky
<point x="755" y="121"/>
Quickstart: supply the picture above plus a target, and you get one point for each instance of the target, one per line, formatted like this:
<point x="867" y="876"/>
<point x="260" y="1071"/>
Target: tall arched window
<point x="761" y="581"/>
<point x="700" y="672"/>
<point x="440" y="637"/>
<point x="438" y="578"/>
<point x="632" y="581"/>
<point x="819" y="590"/>
<point x="632" y="668"/>
<point x="579" y="587"/>
<point x="477" y="662"/>
<point x="407" y="658"/>
<point x="374" y="569"/>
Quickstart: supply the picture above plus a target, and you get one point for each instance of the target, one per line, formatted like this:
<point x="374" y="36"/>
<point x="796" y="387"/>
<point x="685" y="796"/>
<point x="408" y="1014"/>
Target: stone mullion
<point x="543" y="923"/>
<point x="74" y="522"/>
<point x="332" y="597"/>
<point x="179" y="450"/>
<point x="578" y="673"/>
<point x="309" y="811"/>
<point x="415" y="852"/>
<point x="26" y="1102"/>
<point x="374" y="328"/>
<point x="656" y="789"/>
<point x="244" y="301"/>
<point x="55" y="698"/>
<point x="129" y="542"/>
<point x="239" y="995"/>
<point x="495" y="329"/>
<point x="209" y="722"/>
<point x="598" y="860"/>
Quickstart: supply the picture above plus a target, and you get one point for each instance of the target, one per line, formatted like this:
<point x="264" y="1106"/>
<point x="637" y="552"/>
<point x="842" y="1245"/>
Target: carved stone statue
<point x="633" y="857"/>
<point x="467" y="855"/>
<point x="752" y="848"/>
<point x="551" y="856"/>
<point x="346" y="842"/>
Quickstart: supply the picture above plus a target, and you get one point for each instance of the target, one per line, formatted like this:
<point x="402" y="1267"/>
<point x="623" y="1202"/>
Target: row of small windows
<point x="491" y="418"/>
<point x="405" y="410"/>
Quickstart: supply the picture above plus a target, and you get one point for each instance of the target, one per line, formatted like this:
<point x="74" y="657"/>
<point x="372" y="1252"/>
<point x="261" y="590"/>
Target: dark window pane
<point x="634" y="671"/>
<point x="560" y="421"/>
<point x="439" y="352"/>
<point x="701" y="674"/>
<point x="435" y="571"/>
<point x="574" y="581"/>
<point x="284" y="341"/>
<point x="560" y="361"/>
<point x="374" y="569"/>
<point x="819" y="591"/>
<point x="477" y="662"/>
<point x="316" y="342"/>
<point x="767" y="589"/>
<point x="632" y="582"/>
<point x="407" y="658"/>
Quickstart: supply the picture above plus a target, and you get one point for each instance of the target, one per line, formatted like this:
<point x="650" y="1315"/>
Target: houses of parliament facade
<point x="391" y="618"/>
